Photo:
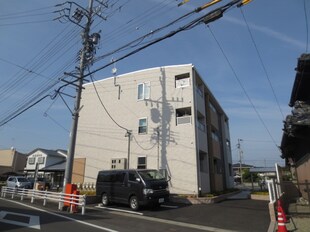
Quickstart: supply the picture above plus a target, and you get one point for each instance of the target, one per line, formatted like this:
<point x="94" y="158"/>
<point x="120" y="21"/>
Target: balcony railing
<point x="184" y="120"/>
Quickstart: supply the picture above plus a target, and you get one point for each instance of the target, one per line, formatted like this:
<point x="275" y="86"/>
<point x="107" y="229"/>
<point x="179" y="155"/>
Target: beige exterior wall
<point x="12" y="161"/>
<point x="177" y="148"/>
<point x="100" y="139"/>
<point x="78" y="171"/>
<point x="6" y="157"/>
<point x="303" y="174"/>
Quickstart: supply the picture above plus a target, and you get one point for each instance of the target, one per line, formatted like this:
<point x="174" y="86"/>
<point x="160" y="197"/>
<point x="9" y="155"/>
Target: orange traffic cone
<point x="280" y="209"/>
<point x="281" y="218"/>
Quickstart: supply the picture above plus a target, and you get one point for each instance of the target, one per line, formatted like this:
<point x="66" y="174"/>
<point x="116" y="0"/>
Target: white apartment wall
<point x="100" y="140"/>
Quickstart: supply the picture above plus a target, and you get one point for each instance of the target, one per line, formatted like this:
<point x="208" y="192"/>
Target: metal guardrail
<point x="72" y="199"/>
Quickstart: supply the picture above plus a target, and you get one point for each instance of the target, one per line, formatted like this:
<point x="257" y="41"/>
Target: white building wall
<point x="48" y="160"/>
<point x="100" y="139"/>
<point x="35" y="156"/>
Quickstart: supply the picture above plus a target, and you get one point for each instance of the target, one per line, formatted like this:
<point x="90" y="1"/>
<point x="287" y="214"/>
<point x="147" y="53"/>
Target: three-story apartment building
<point x="162" y="118"/>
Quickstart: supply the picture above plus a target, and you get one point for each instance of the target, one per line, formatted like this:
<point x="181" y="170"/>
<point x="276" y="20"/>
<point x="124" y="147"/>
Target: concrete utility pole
<point x="128" y="134"/>
<point x="75" y="115"/>
<point x="240" y="161"/>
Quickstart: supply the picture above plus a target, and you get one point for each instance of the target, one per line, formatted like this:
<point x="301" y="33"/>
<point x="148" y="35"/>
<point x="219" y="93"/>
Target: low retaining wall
<point x="260" y="197"/>
<point x="201" y="200"/>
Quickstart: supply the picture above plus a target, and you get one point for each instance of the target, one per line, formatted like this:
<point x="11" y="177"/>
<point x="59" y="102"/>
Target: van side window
<point x="104" y="177"/>
<point x="119" y="177"/>
<point x="132" y="176"/>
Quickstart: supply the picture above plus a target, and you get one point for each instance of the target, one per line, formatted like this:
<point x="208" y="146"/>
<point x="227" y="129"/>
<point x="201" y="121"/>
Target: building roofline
<point x="49" y="152"/>
<point x="210" y="93"/>
<point x="139" y="71"/>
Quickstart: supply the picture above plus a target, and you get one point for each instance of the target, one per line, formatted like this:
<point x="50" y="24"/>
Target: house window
<point x="182" y="80"/>
<point x="142" y="126"/>
<point x="41" y="160"/>
<point x="144" y="90"/>
<point x="141" y="163"/>
<point x="31" y="160"/>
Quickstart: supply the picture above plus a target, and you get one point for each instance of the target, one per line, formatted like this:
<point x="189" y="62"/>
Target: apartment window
<point x="201" y="122"/>
<point x="144" y="90"/>
<point x="41" y="160"/>
<point x="141" y="163"/>
<point x="212" y="107"/>
<point x="217" y="166"/>
<point x="182" y="80"/>
<point x="142" y="126"/>
<point x="203" y="162"/>
<point x="215" y="136"/>
<point x="31" y="160"/>
<point x="184" y="116"/>
<point x="199" y="90"/>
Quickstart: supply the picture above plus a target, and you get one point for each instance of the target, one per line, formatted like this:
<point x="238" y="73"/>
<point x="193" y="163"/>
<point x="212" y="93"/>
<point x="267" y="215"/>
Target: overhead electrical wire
<point x="243" y="88"/>
<point x="307" y="26"/>
<point x="133" y="24"/>
<point x="141" y="38"/>
<point x="27" y="104"/>
<point x="188" y="26"/>
<point x="27" y="99"/>
<point x="24" y="12"/>
<point x="103" y="106"/>
<point x="262" y="64"/>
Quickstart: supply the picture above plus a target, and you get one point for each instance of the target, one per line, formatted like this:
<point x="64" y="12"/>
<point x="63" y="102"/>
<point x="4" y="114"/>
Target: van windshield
<point x="151" y="175"/>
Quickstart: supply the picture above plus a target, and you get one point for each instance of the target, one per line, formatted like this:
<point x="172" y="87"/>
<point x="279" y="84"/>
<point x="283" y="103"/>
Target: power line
<point x="105" y="109"/>
<point x="242" y="87"/>
<point x="23" y="23"/>
<point x="209" y="17"/>
<point x="307" y="26"/>
<point x="262" y="63"/>
<point x="24" y="12"/>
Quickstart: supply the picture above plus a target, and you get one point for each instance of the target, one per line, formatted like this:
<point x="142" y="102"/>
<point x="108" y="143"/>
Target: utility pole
<point x="75" y="115"/>
<point x="128" y="134"/>
<point x="240" y="159"/>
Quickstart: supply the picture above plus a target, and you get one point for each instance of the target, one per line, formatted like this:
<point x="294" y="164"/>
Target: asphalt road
<point x="233" y="215"/>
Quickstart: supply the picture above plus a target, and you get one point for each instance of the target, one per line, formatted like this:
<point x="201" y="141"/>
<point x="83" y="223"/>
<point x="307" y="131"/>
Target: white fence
<point x="274" y="190"/>
<point x="62" y="198"/>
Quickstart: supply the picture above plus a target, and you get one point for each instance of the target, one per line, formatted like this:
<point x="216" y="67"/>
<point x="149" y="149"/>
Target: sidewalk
<point x="299" y="218"/>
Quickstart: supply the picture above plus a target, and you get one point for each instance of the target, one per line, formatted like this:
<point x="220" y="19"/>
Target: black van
<point x="133" y="187"/>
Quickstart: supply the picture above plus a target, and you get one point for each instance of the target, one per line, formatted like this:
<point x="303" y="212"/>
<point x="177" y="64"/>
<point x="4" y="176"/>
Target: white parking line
<point x="34" y="221"/>
<point x="119" y="210"/>
<point x="62" y="216"/>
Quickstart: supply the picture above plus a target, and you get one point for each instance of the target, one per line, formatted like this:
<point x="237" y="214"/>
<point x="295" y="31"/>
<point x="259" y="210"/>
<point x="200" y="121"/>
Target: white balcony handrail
<point x="72" y="199"/>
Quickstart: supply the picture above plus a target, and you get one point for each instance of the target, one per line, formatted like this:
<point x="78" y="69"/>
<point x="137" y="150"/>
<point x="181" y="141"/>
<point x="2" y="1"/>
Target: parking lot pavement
<point x="230" y="215"/>
<point x="234" y="215"/>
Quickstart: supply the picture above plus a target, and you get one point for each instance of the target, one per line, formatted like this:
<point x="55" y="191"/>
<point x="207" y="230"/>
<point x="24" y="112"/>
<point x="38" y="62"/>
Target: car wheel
<point x="134" y="203"/>
<point x="105" y="199"/>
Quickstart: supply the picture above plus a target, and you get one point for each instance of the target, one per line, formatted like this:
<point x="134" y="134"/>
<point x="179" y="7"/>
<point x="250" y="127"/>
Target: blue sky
<point x="35" y="49"/>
